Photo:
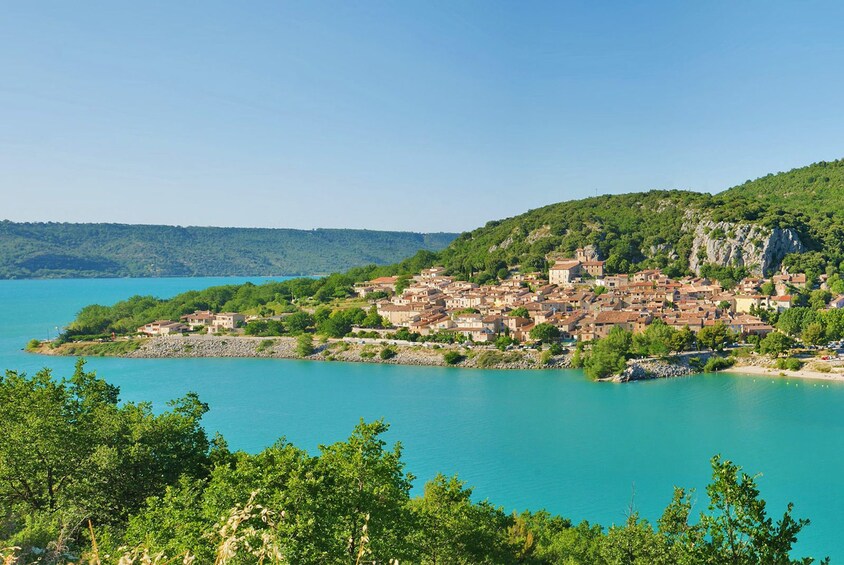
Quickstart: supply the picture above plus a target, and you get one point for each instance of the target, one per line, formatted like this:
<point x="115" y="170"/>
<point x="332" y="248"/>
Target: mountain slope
<point x="795" y="217"/>
<point x="36" y="250"/>
<point x="815" y="189"/>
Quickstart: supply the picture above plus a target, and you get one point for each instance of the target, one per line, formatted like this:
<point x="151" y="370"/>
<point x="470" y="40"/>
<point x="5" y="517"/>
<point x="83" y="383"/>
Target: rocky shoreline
<point x="355" y="350"/>
<point x="346" y="350"/>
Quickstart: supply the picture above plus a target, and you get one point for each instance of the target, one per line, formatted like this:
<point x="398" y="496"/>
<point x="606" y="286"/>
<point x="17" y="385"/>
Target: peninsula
<point x="659" y="284"/>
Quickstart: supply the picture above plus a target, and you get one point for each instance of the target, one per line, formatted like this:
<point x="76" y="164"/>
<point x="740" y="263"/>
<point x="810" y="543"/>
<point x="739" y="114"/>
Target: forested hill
<point x="815" y="189"/>
<point x="42" y="250"/>
<point x="796" y="217"/>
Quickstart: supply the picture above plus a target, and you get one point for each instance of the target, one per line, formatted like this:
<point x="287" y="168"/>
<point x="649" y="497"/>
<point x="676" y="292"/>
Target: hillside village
<point x="577" y="298"/>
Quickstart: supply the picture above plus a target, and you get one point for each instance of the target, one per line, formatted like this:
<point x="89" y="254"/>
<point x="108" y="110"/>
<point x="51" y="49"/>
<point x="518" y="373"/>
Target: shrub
<point x="264" y="345"/>
<point x="453" y="357"/>
<point x="387" y="353"/>
<point x="793" y="364"/>
<point x="789" y="364"/>
<point x="304" y="345"/>
<point x="718" y="364"/>
<point x="33" y="344"/>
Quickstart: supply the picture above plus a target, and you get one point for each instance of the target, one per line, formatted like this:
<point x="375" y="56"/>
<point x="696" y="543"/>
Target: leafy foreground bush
<point x="87" y="480"/>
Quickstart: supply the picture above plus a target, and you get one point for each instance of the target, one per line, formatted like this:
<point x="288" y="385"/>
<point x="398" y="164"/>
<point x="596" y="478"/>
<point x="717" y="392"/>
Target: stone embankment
<point x="348" y="350"/>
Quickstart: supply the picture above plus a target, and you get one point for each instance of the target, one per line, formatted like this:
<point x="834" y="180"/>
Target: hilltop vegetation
<point x="814" y="189"/>
<point x="45" y="250"/>
<point x="630" y="231"/>
<point x="153" y="488"/>
<point x="655" y="229"/>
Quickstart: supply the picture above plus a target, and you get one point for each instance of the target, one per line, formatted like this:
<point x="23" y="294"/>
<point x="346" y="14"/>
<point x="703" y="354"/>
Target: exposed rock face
<point x="590" y="253"/>
<point x="507" y="242"/>
<point x="757" y="248"/>
<point x="662" y="249"/>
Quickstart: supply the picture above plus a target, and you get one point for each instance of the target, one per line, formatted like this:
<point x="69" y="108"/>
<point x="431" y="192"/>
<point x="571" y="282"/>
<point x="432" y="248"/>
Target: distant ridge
<point x="67" y="250"/>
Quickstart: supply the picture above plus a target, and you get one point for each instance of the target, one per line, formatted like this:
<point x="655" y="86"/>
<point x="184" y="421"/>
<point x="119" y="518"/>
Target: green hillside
<point x="815" y="189"/>
<point x="653" y="229"/>
<point x="630" y="231"/>
<point x="623" y="228"/>
<point x="41" y="250"/>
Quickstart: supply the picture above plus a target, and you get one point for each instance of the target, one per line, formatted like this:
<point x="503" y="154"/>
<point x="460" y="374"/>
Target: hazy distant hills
<point x="57" y="250"/>
<point x="795" y="216"/>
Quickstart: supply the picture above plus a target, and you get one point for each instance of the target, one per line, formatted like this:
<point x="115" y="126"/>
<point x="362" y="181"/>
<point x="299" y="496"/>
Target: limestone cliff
<point x="755" y="247"/>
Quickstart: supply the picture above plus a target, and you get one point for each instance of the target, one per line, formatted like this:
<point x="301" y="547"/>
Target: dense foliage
<point x="650" y="229"/>
<point x="34" y="250"/>
<point x="155" y="486"/>
<point x="69" y="451"/>
<point x="815" y="189"/>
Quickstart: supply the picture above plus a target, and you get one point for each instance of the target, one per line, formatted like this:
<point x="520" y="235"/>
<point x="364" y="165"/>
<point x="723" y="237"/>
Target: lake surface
<point x="524" y="439"/>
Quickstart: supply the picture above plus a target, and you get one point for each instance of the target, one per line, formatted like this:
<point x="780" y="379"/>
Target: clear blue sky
<point x="428" y="115"/>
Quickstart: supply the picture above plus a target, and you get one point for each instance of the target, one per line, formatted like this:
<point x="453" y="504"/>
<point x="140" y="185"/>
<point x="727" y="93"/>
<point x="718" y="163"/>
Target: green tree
<point x="402" y="283"/>
<point x="682" y="339"/>
<point x="373" y="319"/>
<point x="737" y="528"/>
<point x="714" y="337"/>
<point x="298" y="322"/>
<point x="68" y="450"/>
<point x="546" y="333"/>
<point x="655" y="341"/>
<point x="520" y="312"/>
<point x="449" y="528"/>
<point x="767" y="288"/>
<point x="792" y="320"/>
<point x="609" y="355"/>
<point x="502" y="342"/>
<point x="635" y="542"/>
<point x="776" y="344"/>
<point x="818" y="299"/>
<point x="364" y="504"/>
<point x="814" y="334"/>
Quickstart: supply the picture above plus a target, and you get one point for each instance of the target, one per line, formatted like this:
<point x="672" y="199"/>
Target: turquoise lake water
<point x="524" y="439"/>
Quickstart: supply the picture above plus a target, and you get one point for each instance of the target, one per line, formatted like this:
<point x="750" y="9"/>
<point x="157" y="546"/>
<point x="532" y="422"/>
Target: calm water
<point x="526" y="439"/>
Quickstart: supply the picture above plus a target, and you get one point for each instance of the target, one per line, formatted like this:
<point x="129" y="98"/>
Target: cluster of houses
<point x="579" y="300"/>
<point x="214" y="323"/>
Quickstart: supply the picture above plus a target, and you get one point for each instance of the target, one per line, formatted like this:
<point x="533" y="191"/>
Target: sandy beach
<point x="773" y="372"/>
